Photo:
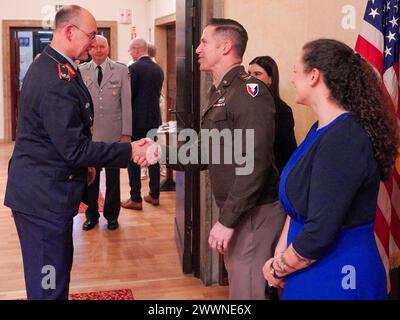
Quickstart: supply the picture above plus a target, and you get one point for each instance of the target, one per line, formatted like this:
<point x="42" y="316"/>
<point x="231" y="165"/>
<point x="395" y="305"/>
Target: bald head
<point x="75" y="30"/>
<point x="101" y="39"/>
<point x="68" y="14"/>
<point x="137" y="48"/>
<point x="100" y="50"/>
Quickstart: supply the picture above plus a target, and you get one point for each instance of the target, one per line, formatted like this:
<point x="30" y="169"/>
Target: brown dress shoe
<point x="153" y="201"/>
<point x="130" y="204"/>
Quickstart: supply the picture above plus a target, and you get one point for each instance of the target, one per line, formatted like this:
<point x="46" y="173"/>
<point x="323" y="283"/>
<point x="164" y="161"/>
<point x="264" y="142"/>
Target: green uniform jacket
<point x="233" y="105"/>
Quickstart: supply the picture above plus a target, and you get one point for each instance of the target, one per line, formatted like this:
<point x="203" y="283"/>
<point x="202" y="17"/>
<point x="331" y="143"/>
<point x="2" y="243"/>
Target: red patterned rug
<point x="82" y="206"/>
<point x="125" y="294"/>
<point x="104" y="295"/>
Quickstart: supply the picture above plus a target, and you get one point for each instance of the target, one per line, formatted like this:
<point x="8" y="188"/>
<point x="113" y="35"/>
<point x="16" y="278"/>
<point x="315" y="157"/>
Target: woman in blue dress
<point x="329" y="187"/>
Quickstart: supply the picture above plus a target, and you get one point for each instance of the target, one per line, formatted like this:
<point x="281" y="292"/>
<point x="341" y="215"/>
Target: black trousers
<point x="112" y="200"/>
<point x="134" y="173"/>
<point x="47" y="252"/>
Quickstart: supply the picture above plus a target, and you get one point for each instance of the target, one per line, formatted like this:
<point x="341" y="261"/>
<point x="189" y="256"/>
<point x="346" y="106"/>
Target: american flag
<point x="378" y="42"/>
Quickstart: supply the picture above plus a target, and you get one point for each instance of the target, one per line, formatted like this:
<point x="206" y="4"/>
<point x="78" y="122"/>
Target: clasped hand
<point x="145" y="152"/>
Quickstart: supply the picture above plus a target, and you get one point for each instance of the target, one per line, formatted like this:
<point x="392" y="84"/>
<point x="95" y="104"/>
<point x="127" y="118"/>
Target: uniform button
<point x="101" y="98"/>
<point x="101" y="107"/>
<point x="71" y="177"/>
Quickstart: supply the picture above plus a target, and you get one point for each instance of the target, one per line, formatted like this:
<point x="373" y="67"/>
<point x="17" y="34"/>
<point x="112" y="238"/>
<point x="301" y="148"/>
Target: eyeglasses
<point x="91" y="36"/>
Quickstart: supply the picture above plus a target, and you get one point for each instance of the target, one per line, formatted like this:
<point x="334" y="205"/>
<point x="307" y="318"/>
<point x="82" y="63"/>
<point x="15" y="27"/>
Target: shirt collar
<point x="102" y="66"/>
<point x="218" y="81"/>
<point x="145" y="55"/>
<point x="72" y="63"/>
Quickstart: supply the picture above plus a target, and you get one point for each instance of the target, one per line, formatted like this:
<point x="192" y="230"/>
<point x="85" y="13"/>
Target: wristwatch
<point x="272" y="271"/>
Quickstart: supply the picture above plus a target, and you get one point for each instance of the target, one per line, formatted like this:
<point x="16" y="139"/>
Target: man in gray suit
<point x="109" y="86"/>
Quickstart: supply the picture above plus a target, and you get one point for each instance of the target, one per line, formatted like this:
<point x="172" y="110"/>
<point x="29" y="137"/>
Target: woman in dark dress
<point x="266" y="70"/>
<point x="329" y="187"/>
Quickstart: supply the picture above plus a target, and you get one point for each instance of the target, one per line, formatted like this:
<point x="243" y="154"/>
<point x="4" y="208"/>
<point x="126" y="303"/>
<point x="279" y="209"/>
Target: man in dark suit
<point x="146" y="81"/>
<point x="48" y="172"/>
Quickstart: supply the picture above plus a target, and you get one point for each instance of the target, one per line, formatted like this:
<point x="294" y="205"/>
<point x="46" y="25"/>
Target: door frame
<point x="160" y="41"/>
<point x="6" y="33"/>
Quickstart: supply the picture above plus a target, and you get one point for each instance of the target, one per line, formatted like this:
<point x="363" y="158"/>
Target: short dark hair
<point x="68" y="14"/>
<point x="271" y="68"/>
<point x="234" y="31"/>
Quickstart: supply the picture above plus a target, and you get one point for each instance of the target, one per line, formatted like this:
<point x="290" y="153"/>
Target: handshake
<point x="146" y="152"/>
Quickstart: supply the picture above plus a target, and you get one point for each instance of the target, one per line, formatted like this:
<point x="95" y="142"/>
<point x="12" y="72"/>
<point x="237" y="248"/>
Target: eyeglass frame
<point x="90" y="36"/>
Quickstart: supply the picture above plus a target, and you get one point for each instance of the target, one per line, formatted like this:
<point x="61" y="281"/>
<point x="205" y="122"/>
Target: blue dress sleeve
<point x="340" y="165"/>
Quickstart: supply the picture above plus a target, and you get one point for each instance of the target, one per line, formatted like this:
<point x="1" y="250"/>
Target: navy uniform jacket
<point x="146" y="79"/>
<point x="48" y="170"/>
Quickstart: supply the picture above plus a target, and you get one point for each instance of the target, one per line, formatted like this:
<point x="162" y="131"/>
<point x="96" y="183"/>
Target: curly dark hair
<point x="357" y="87"/>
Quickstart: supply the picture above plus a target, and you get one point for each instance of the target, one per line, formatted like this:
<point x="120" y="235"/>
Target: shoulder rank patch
<point x="245" y="76"/>
<point x="253" y="89"/>
<point x="65" y="72"/>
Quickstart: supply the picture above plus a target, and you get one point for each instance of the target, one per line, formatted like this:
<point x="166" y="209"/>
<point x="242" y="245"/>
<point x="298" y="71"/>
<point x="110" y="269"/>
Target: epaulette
<point x="124" y="64"/>
<point x="244" y="76"/>
<point x="66" y="72"/>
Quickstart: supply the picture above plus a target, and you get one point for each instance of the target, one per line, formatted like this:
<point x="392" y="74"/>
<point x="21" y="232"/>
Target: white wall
<point x="102" y="10"/>
<point x="281" y="27"/>
<point x="164" y="7"/>
<point x="157" y="9"/>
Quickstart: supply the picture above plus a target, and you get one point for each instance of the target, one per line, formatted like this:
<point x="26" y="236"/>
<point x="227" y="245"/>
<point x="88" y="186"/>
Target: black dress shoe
<point x="112" y="225"/>
<point x="89" y="224"/>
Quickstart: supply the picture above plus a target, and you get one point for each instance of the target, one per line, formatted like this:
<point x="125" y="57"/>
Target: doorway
<point x="23" y="40"/>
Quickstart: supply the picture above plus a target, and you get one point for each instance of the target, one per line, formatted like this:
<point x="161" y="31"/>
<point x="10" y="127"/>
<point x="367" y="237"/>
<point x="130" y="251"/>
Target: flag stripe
<point x="370" y="53"/>
<point x="378" y="42"/>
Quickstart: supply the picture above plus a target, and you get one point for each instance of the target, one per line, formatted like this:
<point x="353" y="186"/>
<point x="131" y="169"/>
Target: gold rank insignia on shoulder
<point x="65" y="72"/>
<point x="245" y="76"/>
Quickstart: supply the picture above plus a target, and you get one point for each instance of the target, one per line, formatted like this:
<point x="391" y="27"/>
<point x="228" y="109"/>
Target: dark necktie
<point x="99" y="75"/>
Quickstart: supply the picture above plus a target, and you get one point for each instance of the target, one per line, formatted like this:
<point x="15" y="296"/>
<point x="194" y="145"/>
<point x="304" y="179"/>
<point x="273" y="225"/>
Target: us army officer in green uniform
<point x="250" y="215"/>
<point x="110" y="88"/>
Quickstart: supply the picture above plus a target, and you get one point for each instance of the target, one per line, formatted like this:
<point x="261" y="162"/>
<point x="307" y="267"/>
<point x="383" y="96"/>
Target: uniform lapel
<point x="213" y="99"/>
<point x="92" y="73"/>
<point x="77" y="79"/>
<point x="221" y="90"/>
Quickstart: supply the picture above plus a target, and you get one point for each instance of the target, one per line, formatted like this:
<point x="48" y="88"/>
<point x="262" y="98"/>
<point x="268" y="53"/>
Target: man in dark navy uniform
<point x="48" y="172"/>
